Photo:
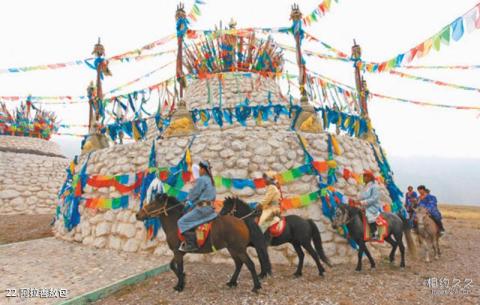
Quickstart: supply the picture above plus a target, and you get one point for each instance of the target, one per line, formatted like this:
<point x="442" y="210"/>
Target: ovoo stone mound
<point x="31" y="173"/>
<point x="234" y="151"/>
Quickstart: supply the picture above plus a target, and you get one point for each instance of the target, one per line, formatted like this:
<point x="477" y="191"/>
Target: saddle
<point x="202" y="232"/>
<point x="278" y="228"/>
<point x="382" y="228"/>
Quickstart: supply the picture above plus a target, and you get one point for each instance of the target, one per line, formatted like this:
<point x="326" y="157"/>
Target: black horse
<point x="397" y="225"/>
<point x="298" y="232"/>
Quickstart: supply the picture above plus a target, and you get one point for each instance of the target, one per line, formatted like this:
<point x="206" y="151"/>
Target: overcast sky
<point x="48" y="31"/>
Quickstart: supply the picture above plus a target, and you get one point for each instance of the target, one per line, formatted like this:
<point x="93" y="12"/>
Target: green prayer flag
<point x="227" y="182"/>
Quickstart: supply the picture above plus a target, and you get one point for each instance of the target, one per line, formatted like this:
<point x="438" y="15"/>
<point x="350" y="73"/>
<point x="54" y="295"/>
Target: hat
<point x="204" y="164"/>
<point x="269" y="176"/>
<point x="369" y="174"/>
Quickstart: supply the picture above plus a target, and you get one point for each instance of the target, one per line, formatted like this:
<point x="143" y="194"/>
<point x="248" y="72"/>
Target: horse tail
<point x="317" y="242"/>
<point x="412" y="249"/>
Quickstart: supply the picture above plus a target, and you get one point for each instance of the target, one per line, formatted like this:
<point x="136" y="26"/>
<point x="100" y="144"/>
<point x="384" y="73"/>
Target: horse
<point x="298" y="232"/>
<point x="428" y="233"/>
<point x="226" y="232"/>
<point x="397" y="225"/>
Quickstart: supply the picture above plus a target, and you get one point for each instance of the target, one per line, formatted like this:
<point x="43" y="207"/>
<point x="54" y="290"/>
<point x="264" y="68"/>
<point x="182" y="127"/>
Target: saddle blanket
<point x="382" y="228"/>
<point x="278" y="228"/>
<point x="202" y="232"/>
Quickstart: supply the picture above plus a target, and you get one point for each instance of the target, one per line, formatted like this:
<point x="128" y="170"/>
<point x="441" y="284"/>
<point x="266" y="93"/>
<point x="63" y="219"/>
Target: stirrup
<point x="185" y="247"/>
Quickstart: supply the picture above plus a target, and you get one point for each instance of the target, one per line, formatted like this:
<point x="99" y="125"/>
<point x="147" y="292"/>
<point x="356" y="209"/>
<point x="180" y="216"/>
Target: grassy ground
<point x="461" y="212"/>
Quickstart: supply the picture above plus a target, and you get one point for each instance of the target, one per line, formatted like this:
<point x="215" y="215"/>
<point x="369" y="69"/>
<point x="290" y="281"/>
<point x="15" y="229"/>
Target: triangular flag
<point x="457" y="29"/>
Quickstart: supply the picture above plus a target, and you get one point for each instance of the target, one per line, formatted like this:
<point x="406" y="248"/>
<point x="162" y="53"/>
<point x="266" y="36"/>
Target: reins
<point x="234" y="210"/>
<point x="162" y="210"/>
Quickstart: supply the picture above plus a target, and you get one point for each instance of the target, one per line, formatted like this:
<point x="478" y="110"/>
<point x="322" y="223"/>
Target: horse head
<point x="420" y="214"/>
<point x="161" y="204"/>
<point x="235" y="206"/>
<point x="342" y="216"/>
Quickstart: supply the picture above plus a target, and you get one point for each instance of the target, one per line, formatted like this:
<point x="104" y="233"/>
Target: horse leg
<point x="301" y="256"/>
<point x="243" y="256"/>
<point x="178" y="257"/>
<point x="361" y="248"/>
<point x="369" y="256"/>
<point x="238" y="267"/>
<point x="262" y="252"/>
<point x="314" y="255"/>
<point x="173" y="267"/>
<point x="398" y="238"/>
<point x="427" y="251"/>
<point x="394" y="245"/>
<point x="438" y="246"/>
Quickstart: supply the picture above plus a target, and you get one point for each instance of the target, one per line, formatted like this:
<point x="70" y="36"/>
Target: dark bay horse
<point x="226" y="232"/>
<point x="397" y="225"/>
<point x="298" y="232"/>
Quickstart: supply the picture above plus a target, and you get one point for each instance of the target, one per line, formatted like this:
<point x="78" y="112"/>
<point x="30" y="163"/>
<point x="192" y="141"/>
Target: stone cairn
<point x="234" y="151"/>
<point x="32" y="171"/>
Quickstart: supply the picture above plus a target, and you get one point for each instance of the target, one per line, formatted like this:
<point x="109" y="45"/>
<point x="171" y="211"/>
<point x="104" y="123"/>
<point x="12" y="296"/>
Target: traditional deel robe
<point x="370" y="199"/>
<point x="203" y="190"/>
<point x="430" y="203"/>
<point x="410" y="198"/>
<point x="270" y="206"/>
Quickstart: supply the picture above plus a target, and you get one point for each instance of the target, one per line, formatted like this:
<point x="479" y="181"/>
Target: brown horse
<point x="428" y="233"/>
<point x="226" y="232"/>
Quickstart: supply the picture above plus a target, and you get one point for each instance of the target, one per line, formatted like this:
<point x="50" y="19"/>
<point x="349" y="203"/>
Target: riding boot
<point x="190" y="244"/>
<point x="373" y="230"/>
<point x="440" y="226"/>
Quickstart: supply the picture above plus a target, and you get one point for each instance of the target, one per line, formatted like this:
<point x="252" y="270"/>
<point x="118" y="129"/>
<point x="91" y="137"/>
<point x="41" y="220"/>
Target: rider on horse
<point x="270" y="204"/>
<point x="202" y="195"/>
<point x="410" y="201"/>
<point x="429" y="202"/>
<point x="370" y="200"/>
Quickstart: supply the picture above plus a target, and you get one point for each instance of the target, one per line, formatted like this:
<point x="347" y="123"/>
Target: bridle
<point x="234" y="210"/>
<point x="349" y="218"/>
<point x="162" y="210"/>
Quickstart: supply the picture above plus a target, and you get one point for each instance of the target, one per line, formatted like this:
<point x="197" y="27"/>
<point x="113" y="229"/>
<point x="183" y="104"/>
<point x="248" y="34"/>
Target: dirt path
<point x="14" y="228"/>
<point x="342" y="285"/>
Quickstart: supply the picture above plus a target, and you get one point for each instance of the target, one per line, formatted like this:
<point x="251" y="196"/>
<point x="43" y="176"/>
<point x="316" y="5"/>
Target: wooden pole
<point x="360" y="83"/>
<point x="296" y="17"/>
<point x="182" y="27"/>
<point x="99" y="52"/>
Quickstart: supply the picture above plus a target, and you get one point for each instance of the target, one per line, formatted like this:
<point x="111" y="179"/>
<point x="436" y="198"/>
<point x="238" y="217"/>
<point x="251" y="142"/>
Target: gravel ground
<point x="342" y="285"/>
<point x="14" y="228"/>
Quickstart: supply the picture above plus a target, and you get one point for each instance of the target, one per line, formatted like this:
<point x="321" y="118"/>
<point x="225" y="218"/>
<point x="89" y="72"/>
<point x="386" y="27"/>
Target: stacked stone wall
<point x="29" y="182"/>
<point x="237" y="152"/>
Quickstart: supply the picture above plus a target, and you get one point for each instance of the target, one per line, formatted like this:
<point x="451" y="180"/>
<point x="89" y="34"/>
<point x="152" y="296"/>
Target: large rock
<point x="126" y="229"/>
<point x="102" y="228"/>
<point x="8" y="194"/>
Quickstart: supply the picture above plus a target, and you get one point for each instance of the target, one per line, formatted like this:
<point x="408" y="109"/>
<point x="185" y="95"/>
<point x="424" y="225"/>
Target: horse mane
<point x="353" y="211"/>
<point x="171" y="200"/>
<point x="241" y="205"/>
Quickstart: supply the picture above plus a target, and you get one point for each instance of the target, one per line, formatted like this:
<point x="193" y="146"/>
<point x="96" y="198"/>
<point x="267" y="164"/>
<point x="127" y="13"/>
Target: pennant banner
<point x="432" y="81"/>
<point x="125" y="57"/>
<point x="453" y="32"/>
<point x="320" y="11"/>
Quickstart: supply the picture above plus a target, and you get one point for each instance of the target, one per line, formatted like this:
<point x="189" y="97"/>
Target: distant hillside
<point x="453" y="181"/>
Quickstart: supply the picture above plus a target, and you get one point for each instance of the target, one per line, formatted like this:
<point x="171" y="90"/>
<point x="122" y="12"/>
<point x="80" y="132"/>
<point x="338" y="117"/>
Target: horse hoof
<point x="178" y="288"/>
<point x="297" y="274"/>
<point x="321" y="274"/>
<point x="358" y="269"/>
<point x="232" y="284"/>
<point x="256" y="289"/>
<point x="262" y="275"/>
